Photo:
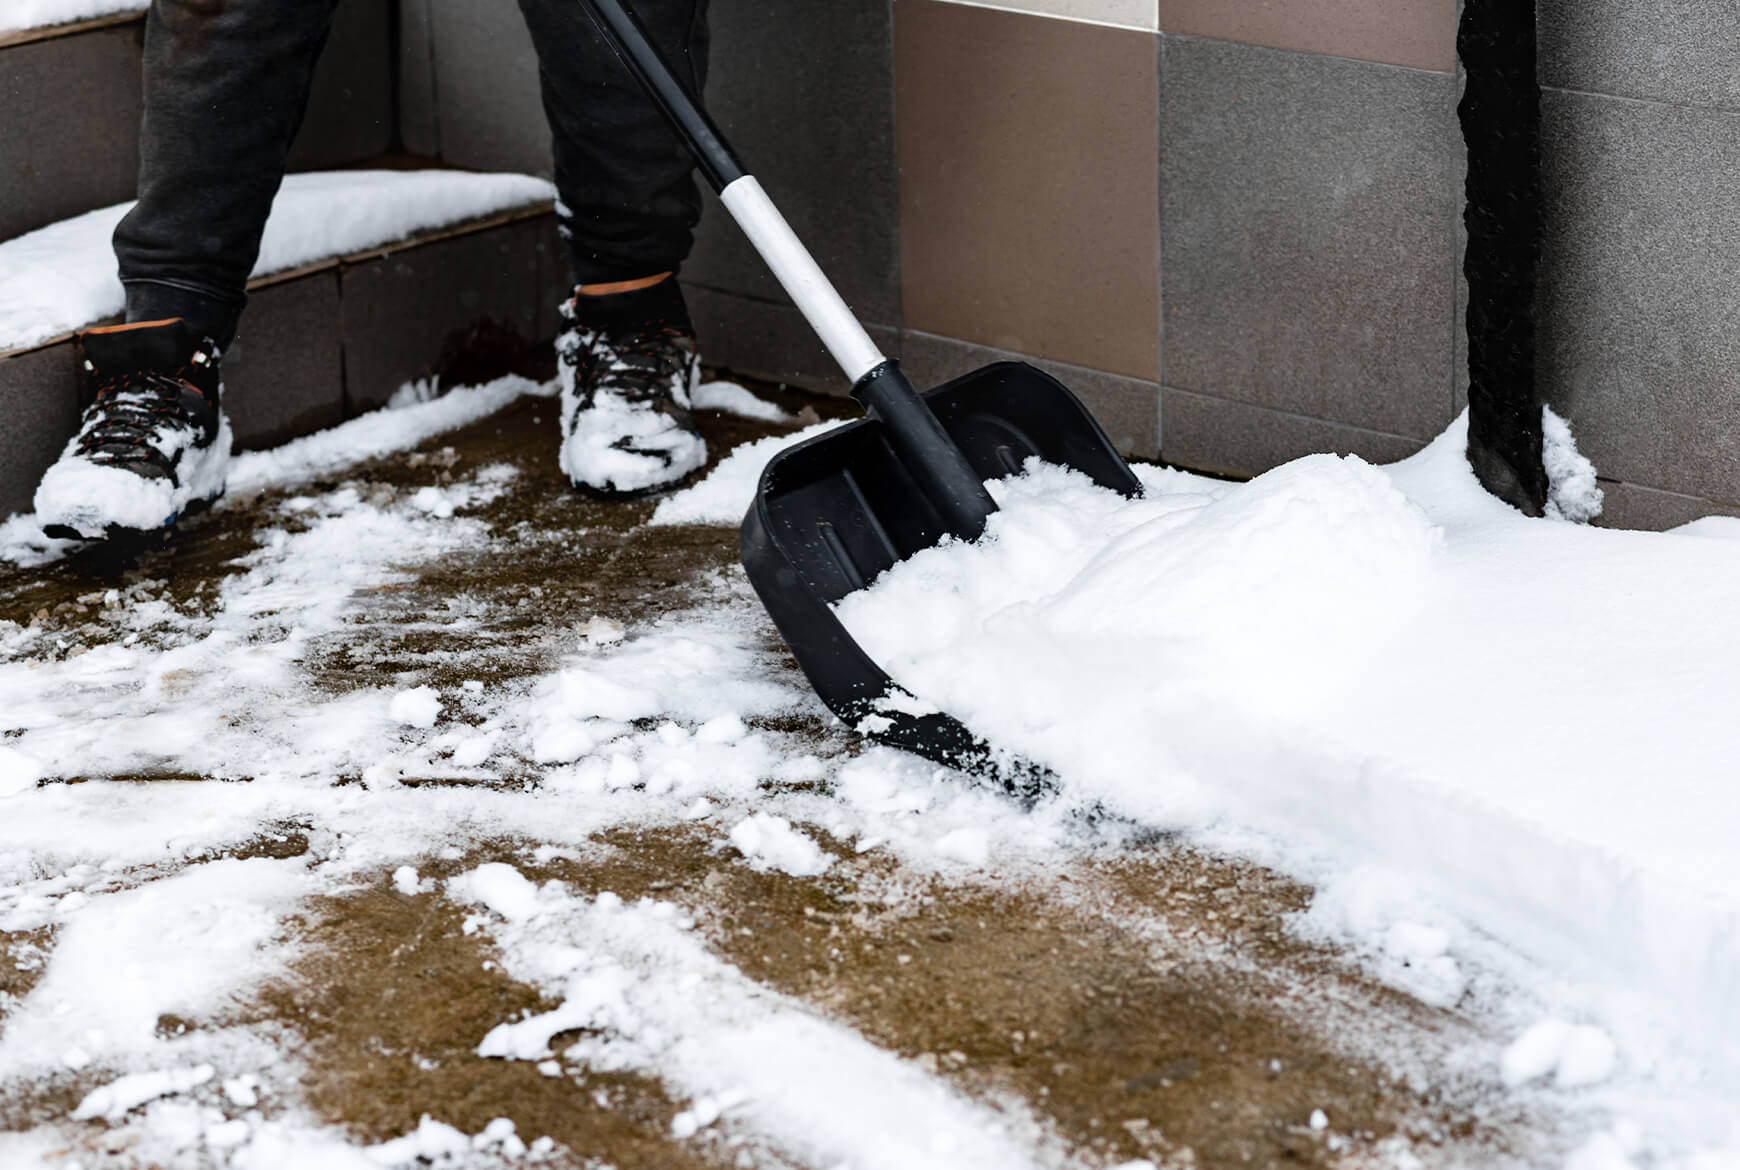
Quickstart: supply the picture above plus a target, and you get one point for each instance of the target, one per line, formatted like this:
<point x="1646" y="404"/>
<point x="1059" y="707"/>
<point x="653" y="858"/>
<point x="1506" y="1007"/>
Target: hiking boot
<point x="628" y="370"/>
<point x="151" y="446"/>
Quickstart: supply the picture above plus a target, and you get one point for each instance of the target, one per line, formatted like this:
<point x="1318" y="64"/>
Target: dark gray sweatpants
<point x="226" y="82"/>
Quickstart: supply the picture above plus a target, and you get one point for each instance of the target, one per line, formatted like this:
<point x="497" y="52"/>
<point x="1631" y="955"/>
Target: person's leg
<point x="226" y="82"/>
<point x="225" y="86"/>
<point x="628" y="209"/>
<point x="626" y="181"/>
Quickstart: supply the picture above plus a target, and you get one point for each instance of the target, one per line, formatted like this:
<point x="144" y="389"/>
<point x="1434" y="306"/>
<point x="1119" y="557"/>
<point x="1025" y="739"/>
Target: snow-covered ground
<point x="1492" y="745"/>
<point x="62" y="277"/>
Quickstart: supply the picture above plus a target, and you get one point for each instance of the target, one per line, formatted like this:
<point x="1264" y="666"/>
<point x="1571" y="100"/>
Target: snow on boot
<point x="628" y="370"/>
<point x="153" y="443"/>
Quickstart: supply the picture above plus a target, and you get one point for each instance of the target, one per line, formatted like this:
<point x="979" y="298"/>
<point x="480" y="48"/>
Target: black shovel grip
<point x="623" y="29"/>
<point x="926" y="450"/>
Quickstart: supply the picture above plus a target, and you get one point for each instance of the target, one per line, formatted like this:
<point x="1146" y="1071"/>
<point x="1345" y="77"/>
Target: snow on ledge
<point x="61" y="278"/>
<point x="30" y="15"/>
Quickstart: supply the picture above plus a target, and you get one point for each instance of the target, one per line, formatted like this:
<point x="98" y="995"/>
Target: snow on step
<point x="62" y="277"/>
<point x="28" y="15"/>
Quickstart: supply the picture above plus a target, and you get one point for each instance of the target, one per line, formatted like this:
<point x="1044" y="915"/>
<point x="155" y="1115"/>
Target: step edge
<point x="466" y="227"/>
<point x="54" y="32"/>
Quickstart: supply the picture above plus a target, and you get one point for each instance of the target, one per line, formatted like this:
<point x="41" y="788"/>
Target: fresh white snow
<point x="1530" y="721"/>
<point x="725" y="495"/>
<point x="62" y="278"/>
<point x="738" y="400"/>
<point x="25" y="15"/>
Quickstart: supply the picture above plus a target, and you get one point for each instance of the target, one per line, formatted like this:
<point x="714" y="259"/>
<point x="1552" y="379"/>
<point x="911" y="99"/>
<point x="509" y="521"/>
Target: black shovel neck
<point x="926" y="450"/>
<point x="712" y="154"/>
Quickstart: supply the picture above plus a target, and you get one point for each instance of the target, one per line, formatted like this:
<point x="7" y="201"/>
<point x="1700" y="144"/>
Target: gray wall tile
<point x="69" y="126"/>
<point x="805" y="93"/>
<point x="768" y="340"/>
<point x="1205" y="433"/>
<point x="1628" y="505"/>
<point x="1128" y="408"/>
<point x="350" y="110"/>
<point x="1640" y="340"/>
<point x="491" y="117"/>
<point x="400" y="310"/>
<point x="1307" y="232"/>
<point x="39" y="395"/>
<point x="70" y="107"/>
<point x="1683" y="51"/>
<point x="284" y="376"/>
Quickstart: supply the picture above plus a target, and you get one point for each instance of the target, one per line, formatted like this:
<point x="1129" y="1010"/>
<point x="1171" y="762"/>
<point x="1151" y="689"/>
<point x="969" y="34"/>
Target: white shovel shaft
<point x="802" y="278"/>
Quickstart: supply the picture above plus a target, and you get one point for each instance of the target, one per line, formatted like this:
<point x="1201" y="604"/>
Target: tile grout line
<point x="893" y="90"/>
<point x="1160" y="245"/>
<point x="1306" y="53"/>
<point x="1687" y="107"/>
<point x="1458" y="186"/>
<point x="1296" y="415"/>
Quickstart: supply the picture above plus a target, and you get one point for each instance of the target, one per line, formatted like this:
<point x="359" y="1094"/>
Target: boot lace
<point x="639" y="367"/>
<point x="129" y="409"/>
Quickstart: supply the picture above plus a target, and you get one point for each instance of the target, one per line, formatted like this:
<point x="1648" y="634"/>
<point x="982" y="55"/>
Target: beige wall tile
<point x="1029" y="184"/>
<point x="1138" y="14"/>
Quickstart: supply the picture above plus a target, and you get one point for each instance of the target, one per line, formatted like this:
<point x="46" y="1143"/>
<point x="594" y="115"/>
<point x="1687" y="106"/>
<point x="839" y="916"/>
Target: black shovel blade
<point x="834" y="512"/>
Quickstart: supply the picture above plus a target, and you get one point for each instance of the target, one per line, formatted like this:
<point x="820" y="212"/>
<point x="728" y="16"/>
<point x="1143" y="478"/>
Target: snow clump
<point x="770" y="842"/>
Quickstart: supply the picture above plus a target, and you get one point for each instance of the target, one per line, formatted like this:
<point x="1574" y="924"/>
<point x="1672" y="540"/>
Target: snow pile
<point x="1381" y="667"/>
<point x="61" y="278"/>
<point x="1264" y="597"/>
<point x="1572" y="493"/>
<point x="647" y="995"/>
<point x="24" y="15"/>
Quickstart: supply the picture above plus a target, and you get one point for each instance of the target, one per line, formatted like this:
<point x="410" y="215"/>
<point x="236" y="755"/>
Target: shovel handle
<point x="923" y="445"/>
<point x="714" y="155"/>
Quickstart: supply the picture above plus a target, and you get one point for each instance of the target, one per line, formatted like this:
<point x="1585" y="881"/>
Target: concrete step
<point x="70" y="107"/>
<point x="323" y="341"/>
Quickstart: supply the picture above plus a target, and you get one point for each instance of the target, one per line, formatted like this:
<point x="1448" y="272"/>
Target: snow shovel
<point x="833" y="512"/>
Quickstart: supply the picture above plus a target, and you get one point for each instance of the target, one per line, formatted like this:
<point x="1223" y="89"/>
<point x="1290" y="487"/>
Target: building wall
<point x="1234" y="227"/>
<point x="1252" y="211"/>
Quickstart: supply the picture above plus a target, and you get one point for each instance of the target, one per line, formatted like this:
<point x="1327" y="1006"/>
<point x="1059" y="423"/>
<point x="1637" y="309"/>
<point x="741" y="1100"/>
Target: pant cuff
<point x="209" y="316"/>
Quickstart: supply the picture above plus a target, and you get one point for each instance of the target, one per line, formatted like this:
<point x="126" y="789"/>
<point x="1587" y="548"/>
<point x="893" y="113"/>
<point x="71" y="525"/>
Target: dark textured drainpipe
<point x="1501" y="122"/>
